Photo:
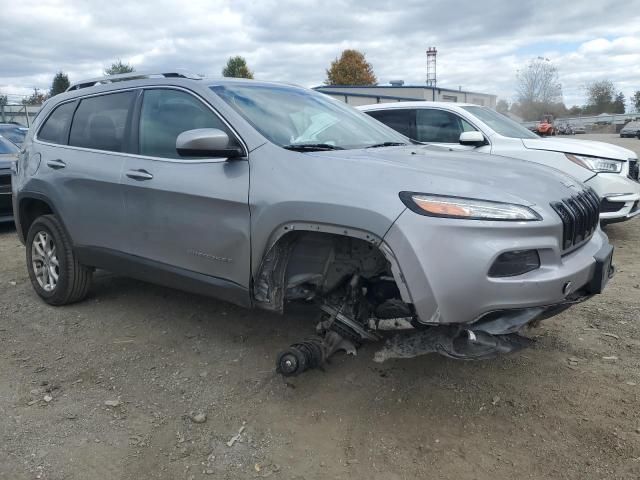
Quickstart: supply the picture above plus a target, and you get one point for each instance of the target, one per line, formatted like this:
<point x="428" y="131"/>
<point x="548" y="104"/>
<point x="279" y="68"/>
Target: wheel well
<point x="30" y="209"/>
<point x="315" y="263"/>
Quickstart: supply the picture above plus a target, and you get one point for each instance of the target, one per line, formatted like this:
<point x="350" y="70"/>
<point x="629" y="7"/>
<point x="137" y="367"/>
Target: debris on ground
<point x="198" y="417"/>
<point x="236" y="437"/>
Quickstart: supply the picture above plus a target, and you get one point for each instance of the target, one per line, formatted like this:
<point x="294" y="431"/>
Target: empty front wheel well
<point x="311" y="264"/>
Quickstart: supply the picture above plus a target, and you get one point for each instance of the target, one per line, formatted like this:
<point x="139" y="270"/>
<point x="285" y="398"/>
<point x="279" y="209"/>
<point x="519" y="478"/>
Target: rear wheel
<point x="56" y="274"/>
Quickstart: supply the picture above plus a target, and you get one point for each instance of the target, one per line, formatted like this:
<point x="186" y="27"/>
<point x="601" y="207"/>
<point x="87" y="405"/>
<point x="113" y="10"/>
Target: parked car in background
<point x="612" y="171"/>
<point x="8" y="155"/>
<point x="264" y="193"/>
<point x="631" y="129"/>
<point x="579" y="129"/>
<point x="13" y="132"/>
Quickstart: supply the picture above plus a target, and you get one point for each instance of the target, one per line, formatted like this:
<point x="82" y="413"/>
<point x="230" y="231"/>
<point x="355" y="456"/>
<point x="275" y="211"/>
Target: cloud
<point x="481" y="44"/>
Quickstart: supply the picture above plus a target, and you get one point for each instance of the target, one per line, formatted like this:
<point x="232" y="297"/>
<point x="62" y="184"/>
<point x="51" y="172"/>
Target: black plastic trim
<point x="162" y="274"/>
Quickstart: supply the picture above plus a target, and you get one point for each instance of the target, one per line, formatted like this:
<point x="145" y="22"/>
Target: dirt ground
<point x="569" y="408"/>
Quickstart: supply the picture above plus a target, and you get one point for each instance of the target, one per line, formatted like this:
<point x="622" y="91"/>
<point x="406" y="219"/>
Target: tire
<point x="49" y="248"/>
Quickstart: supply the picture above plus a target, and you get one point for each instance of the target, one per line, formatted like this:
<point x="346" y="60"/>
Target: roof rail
<point x="129" y="76"/>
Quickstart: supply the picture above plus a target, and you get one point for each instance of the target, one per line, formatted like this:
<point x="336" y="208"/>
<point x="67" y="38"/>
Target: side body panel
<point x="86" y="192"/>
<point x="194" y="216"/>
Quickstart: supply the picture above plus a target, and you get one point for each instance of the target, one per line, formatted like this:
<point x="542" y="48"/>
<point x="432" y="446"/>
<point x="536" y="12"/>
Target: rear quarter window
<point x="56" y="126"/>
<point x="401" y="120"/>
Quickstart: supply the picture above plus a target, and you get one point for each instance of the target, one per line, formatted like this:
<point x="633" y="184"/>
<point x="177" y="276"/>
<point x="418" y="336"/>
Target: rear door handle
<point x="56" y="164"/>
<point x="139" y="175"/>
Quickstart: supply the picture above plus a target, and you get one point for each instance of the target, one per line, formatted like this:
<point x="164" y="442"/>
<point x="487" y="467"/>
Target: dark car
<point x="13" y="132"/>
<point x="8" y="154"/>
<point x="630" y="130"/>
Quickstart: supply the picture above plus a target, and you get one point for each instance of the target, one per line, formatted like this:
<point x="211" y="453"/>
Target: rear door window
<point x="400" y="120"/>
<point x="165" y="114"/>
<point x="100" y="122"/>
<point x="55" y="127"/>
<point x="439" y="126"/>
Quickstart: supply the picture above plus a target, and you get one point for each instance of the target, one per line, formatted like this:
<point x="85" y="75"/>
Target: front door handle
<point x="56" y="164"/>
<point x="139" y="175"/>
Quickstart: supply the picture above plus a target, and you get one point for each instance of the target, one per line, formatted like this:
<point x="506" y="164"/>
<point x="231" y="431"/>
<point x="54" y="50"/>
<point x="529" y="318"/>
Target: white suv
<point x="612" y="171"/>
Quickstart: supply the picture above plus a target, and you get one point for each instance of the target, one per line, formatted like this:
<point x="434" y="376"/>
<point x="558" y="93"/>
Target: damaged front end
<point x="353" y="283"/>
<point x="494" y="333"/>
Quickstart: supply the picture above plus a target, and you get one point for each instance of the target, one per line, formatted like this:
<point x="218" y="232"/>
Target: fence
<point x="22" y="114"/>
<point x="617" y="120"/>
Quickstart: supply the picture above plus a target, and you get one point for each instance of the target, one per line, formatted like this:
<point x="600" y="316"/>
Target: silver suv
<point x="263" y="194"/>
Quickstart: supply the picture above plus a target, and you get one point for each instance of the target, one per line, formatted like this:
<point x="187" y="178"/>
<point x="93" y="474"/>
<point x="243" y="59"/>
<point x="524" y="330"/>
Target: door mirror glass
<point x="474" y="138"/>
<point x="206" y="142"/>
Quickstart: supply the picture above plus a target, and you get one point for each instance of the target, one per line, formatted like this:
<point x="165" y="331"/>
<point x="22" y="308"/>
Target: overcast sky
<point x="481" y="44"/>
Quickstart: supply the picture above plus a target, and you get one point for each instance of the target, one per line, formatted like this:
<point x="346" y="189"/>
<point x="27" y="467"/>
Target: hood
<point x="465" y="174"/>
<point x="579" y="147"/>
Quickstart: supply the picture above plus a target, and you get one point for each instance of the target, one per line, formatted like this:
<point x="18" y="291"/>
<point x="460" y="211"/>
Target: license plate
<point x="603" y="271"/>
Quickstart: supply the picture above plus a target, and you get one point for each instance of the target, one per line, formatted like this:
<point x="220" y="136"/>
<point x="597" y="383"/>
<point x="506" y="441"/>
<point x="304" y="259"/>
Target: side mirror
<point x="474" y="138"/>
<point x="206" y="142"/>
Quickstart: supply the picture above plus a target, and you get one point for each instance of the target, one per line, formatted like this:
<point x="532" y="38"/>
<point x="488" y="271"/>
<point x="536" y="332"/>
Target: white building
<point x="398" y="92"/>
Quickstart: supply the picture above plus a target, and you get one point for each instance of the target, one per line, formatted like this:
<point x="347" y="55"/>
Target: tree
<point x="600" y="97"/>
<point x="36" y="98"/>
<point x="538" y="89"/>
<point x="236" y="67"/>
<point x="60" y="83"/>
<point x="118" y="67"/>
<point x="3" y="100"/>
<point x="618" y="104"/>
<point x="575" y="110"/>
<point x="351" y="69"/>
<point x="636" y="100"/>
<point x="502" y="106"/>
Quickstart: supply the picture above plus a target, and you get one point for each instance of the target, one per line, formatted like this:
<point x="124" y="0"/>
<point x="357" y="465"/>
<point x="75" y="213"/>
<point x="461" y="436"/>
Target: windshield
<point x="500" y="124"/>
<point x="7" y="147"/>
<point x="15" y="134"/>
<point x="291" y="117"/>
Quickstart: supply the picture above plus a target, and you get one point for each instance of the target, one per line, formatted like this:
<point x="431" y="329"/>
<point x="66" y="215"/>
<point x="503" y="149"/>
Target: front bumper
<point x="617" y="188"/>
<point x="444" y="264"/>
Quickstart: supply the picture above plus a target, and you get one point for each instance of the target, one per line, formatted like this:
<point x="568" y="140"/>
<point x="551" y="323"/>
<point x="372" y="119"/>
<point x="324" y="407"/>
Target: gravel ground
<point x="144" y="382"/>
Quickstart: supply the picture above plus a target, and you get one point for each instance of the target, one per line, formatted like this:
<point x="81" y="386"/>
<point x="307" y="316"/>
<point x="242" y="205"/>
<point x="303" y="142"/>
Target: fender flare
<point x="30" y="195"/>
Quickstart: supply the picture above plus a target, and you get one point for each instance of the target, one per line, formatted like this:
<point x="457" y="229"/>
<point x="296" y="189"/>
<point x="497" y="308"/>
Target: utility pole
<point x="432" y="80"/>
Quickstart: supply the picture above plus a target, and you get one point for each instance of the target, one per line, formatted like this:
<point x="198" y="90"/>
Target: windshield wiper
<point x="311" y="147"/>
<point x="386" y="144"/>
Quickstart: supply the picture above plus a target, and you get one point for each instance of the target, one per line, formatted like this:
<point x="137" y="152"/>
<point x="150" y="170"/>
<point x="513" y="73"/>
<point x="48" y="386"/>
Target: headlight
<point x="596" y="164"/>
<point x="466" y="208"/>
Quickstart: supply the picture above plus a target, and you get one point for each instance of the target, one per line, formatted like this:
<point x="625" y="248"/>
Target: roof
<point x="423" y="103"/>
<point x="372" y="95"/>
<point x="400" y="87"/>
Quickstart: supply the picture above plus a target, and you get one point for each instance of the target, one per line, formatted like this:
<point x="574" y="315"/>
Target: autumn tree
<point x="60" y="83"/>
<point x="118" y="67"/>
<point x="236" y="67"/>
<point x="351" y="69"/>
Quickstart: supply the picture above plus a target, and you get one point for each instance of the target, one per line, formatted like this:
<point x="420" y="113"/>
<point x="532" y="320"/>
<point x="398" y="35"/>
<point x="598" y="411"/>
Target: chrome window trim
<point x="147" y="157"/>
